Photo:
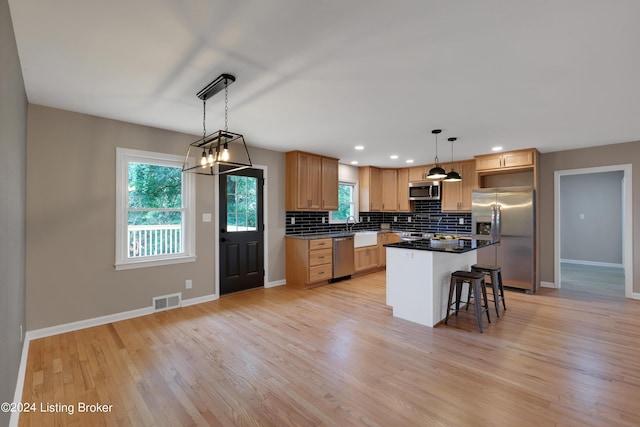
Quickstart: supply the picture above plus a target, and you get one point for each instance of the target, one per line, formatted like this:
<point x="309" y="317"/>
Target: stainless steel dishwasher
<point x="343" y="265"/>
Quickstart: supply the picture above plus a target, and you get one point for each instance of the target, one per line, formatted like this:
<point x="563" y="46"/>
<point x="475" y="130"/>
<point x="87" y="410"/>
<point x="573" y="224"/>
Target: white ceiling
<point x="326" y="75"/>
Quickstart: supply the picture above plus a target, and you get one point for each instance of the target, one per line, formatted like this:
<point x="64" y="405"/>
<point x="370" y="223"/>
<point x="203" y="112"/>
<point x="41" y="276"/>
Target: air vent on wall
<point x="166" y="302"/>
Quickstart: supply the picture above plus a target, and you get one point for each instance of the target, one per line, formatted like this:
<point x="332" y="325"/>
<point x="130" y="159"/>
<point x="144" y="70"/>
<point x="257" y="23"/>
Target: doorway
<point x="593" y="218"/>
<point x="241" y="230"/>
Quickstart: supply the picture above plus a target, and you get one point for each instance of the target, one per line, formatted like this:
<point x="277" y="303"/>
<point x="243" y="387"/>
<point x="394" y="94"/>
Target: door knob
<point x="223" y="239"/>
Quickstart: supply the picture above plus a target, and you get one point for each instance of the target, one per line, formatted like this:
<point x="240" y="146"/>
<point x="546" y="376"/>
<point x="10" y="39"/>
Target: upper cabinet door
<point x="389" y="190"/>
<point x="329" y="184"/>
<point x="404" y="204"/>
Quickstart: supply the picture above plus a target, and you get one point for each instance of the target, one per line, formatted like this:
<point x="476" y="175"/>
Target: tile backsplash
<point x="426" y="218"/>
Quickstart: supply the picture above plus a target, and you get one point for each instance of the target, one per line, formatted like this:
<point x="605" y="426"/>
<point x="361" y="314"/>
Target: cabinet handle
<point x="320" y="257"/>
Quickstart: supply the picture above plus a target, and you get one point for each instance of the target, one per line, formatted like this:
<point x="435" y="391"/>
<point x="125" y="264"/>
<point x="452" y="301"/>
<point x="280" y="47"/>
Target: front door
<point x="241" y="231"/>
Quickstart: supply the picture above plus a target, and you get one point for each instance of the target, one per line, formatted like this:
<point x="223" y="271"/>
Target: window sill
<point x="154" y="262"/>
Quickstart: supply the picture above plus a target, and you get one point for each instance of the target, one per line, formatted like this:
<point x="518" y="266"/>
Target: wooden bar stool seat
<point x="495" y="273"/>
<point x="476" y="282"/>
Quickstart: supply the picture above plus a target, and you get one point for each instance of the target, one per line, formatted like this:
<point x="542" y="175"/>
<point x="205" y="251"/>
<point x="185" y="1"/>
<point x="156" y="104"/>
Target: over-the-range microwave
<point x="424" y="190"/>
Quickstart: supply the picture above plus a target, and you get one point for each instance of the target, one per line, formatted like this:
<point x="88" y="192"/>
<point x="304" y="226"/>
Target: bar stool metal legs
<point x="495" y="272"/>
<point x="475" y="280"/>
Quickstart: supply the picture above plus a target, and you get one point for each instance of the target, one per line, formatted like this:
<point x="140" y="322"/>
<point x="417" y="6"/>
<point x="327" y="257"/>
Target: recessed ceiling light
<point x="410" y="161"/>
<point x="354" y="162"/>
<point x="359" y="147"/>
<point x="393" y="156"/>
<point x="497" y="148"/>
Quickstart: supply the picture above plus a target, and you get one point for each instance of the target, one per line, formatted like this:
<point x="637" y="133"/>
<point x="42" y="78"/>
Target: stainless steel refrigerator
<point x="507" y="214"/>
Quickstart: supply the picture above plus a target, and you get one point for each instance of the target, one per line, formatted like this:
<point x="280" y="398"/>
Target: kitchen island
<point x="418" y="276"/>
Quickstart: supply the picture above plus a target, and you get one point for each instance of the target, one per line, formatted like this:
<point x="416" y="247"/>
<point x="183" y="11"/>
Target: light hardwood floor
<point x="592" y="281"/>
<point x="335" y="356"/>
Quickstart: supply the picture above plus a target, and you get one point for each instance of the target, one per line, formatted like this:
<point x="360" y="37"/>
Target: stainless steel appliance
<point x="424" y="190"/>
<point x="343" y="263"/>
<point x="507" y="214"/>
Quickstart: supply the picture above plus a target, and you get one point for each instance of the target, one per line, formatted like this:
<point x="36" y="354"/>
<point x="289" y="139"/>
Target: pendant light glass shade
<point x="452" y="176"/>
<point x="436" y="172"/>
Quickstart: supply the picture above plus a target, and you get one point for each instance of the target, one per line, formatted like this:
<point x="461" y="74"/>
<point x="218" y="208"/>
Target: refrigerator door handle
<point x="493" y="231"/>
<point x="498" y="221"/>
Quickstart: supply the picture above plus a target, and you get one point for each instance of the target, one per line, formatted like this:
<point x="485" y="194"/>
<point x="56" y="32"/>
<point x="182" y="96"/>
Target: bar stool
<point x="495" y="273"/>
<point x="476" y="281"/>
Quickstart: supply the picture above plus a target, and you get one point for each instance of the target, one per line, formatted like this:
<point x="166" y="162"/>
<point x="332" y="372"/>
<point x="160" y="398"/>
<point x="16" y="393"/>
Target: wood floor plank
<point x="335" y="355"/>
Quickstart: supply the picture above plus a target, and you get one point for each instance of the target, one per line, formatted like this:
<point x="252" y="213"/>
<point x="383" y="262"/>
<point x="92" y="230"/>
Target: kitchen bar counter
<point x="418" y="277"/>
<point x="464" y="245"/>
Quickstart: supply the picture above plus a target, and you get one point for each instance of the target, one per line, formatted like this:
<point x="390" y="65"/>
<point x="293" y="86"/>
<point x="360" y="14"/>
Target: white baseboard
<point x="591" y="263"/>
<point x="22" y="369"/>
<point x="88" y="323"/>
<point x="548" y="285"/>
<point x="276" y="283"/>
<point x="199" y="300"/>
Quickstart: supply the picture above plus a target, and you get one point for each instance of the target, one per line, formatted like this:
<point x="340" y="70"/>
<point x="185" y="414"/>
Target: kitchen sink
<point x="365" y="238"/>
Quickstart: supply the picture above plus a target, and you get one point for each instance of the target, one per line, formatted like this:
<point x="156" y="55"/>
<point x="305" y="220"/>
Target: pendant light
<point x="216" y="157"/>
<point x="436" y="172"/>
<point x="452" y="176"/>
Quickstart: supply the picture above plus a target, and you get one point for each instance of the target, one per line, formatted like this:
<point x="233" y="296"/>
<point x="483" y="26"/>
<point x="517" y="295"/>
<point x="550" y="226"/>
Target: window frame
<point x="123" y="157"/>
<point x="356" y="207"/>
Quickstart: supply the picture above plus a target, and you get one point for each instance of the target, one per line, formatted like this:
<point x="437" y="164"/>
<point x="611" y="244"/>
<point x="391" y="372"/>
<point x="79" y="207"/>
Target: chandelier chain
<point x="204" y="119"/>
<point x="226" y="106"/>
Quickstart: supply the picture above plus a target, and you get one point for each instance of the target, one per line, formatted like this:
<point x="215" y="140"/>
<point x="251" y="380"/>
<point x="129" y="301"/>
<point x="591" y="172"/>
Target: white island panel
<point x="418" y="282"/>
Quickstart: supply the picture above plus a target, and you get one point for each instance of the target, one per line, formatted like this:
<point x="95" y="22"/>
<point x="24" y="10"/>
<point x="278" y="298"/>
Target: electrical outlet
<point x="188" y="284"/>
<point x="581" y="216"/>
<point x="323" y="220"/>
<point x="395" y="219"/>
<point x="461" y="221"/>
<point x="408" y="219"/>
<point x="293" y="220"/>
<point x="368" y="219"/>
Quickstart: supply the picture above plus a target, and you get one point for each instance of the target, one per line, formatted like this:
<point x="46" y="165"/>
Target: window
<point x="242" y="203"/>
<point x="155" y="210"/>
<point x="347" y="203"/>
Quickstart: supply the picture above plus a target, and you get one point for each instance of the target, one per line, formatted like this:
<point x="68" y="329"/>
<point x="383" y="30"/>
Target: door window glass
<point x="242" y="203"/>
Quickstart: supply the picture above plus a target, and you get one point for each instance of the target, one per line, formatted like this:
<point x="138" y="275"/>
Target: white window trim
<point x="123" y="157"/>
<point x="356" y="201"/>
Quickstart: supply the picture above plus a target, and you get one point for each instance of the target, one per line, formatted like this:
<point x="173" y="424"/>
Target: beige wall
<point x="13" y="142"/>
<point x="606" y="155"/>
<point x="71" y="220"/>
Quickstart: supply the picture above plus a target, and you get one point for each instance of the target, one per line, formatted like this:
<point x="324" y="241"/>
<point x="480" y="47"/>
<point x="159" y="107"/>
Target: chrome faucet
<point x="354" y="222"/>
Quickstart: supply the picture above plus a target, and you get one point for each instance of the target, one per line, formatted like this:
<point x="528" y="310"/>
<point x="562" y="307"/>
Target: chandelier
<point x="216" y="157"/>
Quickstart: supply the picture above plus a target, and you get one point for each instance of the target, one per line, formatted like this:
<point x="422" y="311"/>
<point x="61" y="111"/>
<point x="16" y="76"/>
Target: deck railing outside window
<point x="150" y="240"/>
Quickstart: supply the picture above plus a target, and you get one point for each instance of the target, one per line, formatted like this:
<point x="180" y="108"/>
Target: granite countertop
<point x="464" y="245"/>
<point x="329" y="235"/>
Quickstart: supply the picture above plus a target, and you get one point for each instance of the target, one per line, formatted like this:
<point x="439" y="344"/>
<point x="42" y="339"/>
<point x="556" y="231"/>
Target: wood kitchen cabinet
<point x="456" y="196"/>
<point x="389" y="190"/>
<point x="329" y="187"/>
<point x="507" y="160"/>
<point x="366" y="258"/>
<point x="384" y="190"/>
<point x="419" y="173"/>
<point x="312" y="182"/>
<point x="370" y="183"/>
<point x="384" y="239"/>
<point x="404" y="204"/>
<point x="309" y="262"/>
